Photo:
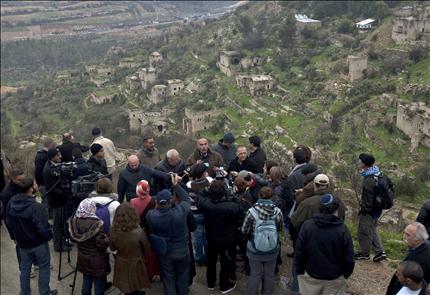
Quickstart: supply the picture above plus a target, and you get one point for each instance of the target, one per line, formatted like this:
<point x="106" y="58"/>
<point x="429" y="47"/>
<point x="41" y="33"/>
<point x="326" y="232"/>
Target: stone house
<point x="414" y="120"/>
<point x="256" y="84"/>
<point x="155" y="58"/>
<point x="147" y="76"/>
<point x="156" y="122"/>
<point x="304" y="22"/>
<point x="229" y="62"/>
<point x="158" y="94"/>
<point x="193" y="122"/>
<point x="133" y="83"/>
<point x="101" y="99"/>
<point x="174" y="87"/>
<point x="411" y="23"/>
<point x="357" y="67"/>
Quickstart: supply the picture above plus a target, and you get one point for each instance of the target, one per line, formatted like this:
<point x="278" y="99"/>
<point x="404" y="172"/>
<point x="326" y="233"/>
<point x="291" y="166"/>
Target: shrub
<point x="417" y="54"/>
<point x="345" y="27"/>
<point x="406" y="186"/>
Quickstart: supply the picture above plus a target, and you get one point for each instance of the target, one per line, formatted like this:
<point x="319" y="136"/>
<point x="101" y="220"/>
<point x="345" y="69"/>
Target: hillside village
<point x="336" y="91"/>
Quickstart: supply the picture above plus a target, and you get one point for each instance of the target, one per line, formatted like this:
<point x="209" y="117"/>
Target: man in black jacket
<point x="12" y="188"/>
<point x="57" y="199"/>
<point x="415" y="236"/>
<point x="172" y="163"/>
<point x="324" y="254"/>
<point x="411" y="277"/>
<point x="39" y="164"/>
<point x="97" y="163"/>
<point x="27" y="222"/>
<point x="68" y="145"/>
<point x="256" y="153"/>
<point x="424" y="216"/>
<point x="226" y="148"/>
<point x="221" y="222"/>
<point x="243" y="162"/>
<point x="132" y="174"/>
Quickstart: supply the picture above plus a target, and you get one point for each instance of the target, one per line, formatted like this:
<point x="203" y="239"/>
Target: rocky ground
<point x="368" y="279"/>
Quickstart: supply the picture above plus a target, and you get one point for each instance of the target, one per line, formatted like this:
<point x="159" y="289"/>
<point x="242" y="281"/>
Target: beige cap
<point x="321" y="179"/>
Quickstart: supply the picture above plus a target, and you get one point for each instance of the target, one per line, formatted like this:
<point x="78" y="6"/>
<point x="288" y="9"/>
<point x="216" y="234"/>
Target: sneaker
<point x="379" y="257"/>
<point x="33" y="274"/>
<point x="108" y="286"/>
<point x="361" y="256"/>
<point x="53" y="292"/>
<point x="229" y="290"/>
<point x="211" y="288"/>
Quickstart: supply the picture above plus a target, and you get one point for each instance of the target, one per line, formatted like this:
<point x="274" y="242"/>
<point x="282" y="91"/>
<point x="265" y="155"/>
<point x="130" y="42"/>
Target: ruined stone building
<point x="411" y="23"/>
<point x="128" y="63"/>
<point x="304" y="22"/>
<point x="156" y="122"/>
<point x="256" y="84"/>
<point x="147" y="76"/>
<point x="193" y="122"/>
<point x="174" y="87"/>
<point x="158" y="94"/>
<point x="357" y="66"/>
<point x="155" y="58"/>
<point x="133" y="83"/>
<point x="414" y="120"/>
<point x="229" y="62"/>
<point x="101" y="99"/>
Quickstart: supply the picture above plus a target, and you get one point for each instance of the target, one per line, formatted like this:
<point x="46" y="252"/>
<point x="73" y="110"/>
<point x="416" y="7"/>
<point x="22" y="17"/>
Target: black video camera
<point x="84" y="185"/>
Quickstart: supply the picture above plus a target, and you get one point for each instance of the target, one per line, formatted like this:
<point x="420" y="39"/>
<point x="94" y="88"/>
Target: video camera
<point x="221" y="174"/>
<point x="63" y="170"/>
<point x="84" y="185"/>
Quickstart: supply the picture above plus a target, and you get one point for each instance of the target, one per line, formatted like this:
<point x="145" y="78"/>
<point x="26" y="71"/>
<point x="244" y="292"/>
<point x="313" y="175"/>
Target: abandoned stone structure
<point x="256" y="84"/>
<point x="133" y="83"/>
<point x="174" y="87"/>
<point x="193" y="122"/>
<point x="147" y="76"/>
<point x="128" y="63"/>
<point x="411" y="23"/>
<point x="156" y="122"/>
<point x="101" y="99"/>
<point x="414" y="120"/>
<point x="158" y="94"/>
<point x="357" y="67"/>
<point x="251" y="62"/>
<point x="155" y="58"/>
<point x="229" y="62"/>
<point x="304" y="22"/>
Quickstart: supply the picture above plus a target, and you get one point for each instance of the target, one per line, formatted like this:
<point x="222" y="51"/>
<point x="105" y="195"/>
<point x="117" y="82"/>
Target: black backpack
<point x="384" y="192"/>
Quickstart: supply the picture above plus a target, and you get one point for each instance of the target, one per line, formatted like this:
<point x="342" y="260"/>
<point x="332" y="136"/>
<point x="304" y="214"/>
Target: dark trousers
<point x="41" y="255"/>
<point x="174" y="271"/>
<point x="99" y="285"/>
<point x="227" y="257"/>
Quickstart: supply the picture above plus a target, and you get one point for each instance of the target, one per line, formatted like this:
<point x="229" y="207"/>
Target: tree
<point x="286" y="32"/>
<point x="246" y="24"/>
<point x="345" y="27"/>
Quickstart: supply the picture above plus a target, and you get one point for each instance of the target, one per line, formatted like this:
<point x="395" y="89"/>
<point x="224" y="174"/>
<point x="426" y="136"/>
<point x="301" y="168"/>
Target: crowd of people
<point x="224" y="203"/>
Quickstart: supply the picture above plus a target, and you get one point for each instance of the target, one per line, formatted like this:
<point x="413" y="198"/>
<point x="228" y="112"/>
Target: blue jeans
<point x="41" y="255"/>
<point x="174" y="271"/>
<point x="99" y="285"/>
<point x="200" y="243"/>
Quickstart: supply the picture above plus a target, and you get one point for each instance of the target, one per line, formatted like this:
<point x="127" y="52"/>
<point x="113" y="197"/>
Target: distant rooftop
<point x="303" y="18"/>
<point x="365" y="22"/>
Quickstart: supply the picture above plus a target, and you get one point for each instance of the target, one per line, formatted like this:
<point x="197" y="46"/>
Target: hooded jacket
<point x="128" y="179"/>
<point x="27" y="222"/>
<point x="221" y="219"/>
<point x="228" y="154"/>
<point x="324" y="248"/>
<point x="10" y="190"/>
<point x="92" y="244"/>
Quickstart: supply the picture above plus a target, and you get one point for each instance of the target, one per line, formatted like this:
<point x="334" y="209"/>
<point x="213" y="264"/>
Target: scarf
<point x="87" y="209"/>
<point x="142" y="189"/>
<point x="371" y="171"/>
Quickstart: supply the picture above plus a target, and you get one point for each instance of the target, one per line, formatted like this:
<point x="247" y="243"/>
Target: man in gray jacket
<point x="226" y="148"/>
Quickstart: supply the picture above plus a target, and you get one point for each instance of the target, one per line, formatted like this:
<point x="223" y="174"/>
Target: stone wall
<point x="414" y="120"/>
<point x="175" y="87"/>
<point x="193" y="122"/>
<point x="357" y="65"/>
<point x="158" y="94"/>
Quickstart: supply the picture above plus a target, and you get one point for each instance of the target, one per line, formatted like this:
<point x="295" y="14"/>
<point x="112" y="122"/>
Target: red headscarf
<point x="142" y="189"/>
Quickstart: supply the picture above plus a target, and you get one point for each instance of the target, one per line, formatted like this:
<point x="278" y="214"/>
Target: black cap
<point x="228" y="138"/>
<point x="367" y="159"/>
<point x="96" y="131"/>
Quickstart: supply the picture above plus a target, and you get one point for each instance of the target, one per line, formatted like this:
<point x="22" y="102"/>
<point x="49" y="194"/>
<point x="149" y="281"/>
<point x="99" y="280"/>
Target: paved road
<point x="10" y="275"/>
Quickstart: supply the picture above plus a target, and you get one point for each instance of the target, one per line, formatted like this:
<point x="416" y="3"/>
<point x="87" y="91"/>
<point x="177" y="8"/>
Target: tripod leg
<point x="74" y="278"/>
<point x="61" y="245"/>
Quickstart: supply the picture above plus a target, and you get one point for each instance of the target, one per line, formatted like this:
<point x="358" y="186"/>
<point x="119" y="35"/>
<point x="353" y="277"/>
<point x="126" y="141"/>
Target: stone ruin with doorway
<point x="414" y="120"/>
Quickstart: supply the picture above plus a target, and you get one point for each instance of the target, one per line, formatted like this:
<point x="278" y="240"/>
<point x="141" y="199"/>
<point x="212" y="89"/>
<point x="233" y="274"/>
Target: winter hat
<point x="96" y="131"/>
<point x="228" y="138"/>
<point x="142" y="189"/>
<point x="95" y="148"/>
<point x="163" y="196"/>
<point x="326" y="199"/>
<point x="322" y="179"/>
<point x="52" y="153"/>
<point x="367" y="159"/>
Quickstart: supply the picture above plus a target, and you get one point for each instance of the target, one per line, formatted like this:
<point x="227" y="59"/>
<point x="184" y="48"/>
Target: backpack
<point x="102" y="211"/>
<point x="265" y="239"/>
<point x="384" y="192"/>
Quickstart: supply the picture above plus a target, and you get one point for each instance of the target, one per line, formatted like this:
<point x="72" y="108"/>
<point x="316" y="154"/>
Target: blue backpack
<point x="102" y="212"/>
<point x="265" y="239"/>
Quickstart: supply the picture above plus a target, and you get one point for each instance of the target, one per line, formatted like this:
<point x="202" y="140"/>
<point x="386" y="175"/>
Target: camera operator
<point x="68" y="145"/>
<point x="80" y="168"/>
<point x="57" y="198"/>
<point x="97" y="163"/>
<point x="221" y="221"/>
